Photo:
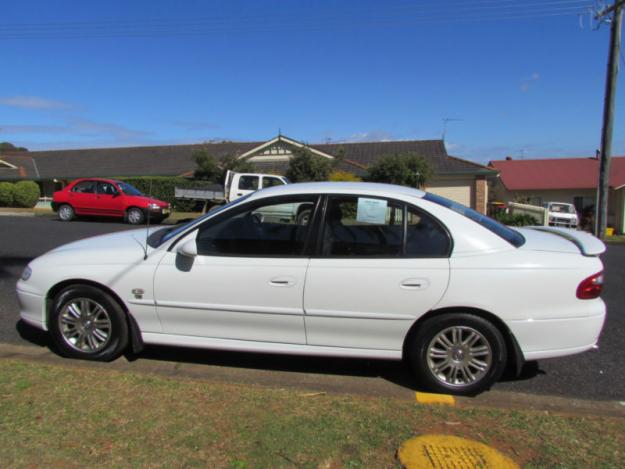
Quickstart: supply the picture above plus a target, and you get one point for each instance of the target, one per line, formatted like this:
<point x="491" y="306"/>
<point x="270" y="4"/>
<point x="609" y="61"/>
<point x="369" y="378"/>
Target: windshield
<point x="513" y="237"/>
<point x="161" y="236"/>
<point x="128" y="189"/>
<point x="561" y="208"/>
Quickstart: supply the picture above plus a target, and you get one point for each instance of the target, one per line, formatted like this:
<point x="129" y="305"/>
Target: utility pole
<point x="608" y="114"/>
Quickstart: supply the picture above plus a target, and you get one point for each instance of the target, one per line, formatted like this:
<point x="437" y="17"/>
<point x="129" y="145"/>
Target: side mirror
<point x="188" y="248"/>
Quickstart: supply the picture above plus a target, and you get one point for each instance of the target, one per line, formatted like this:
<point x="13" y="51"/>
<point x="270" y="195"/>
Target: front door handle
<point x="282" y="281"/>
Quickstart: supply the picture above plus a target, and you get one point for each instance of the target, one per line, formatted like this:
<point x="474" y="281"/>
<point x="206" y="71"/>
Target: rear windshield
<point x="513" y="237"/>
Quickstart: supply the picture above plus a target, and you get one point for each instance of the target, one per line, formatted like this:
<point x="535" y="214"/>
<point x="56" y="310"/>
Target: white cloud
<point x="527" y="81"/>
<point x="371" y="136"/>
<point x="33" y="102"/>
<point x="78" y="127"/>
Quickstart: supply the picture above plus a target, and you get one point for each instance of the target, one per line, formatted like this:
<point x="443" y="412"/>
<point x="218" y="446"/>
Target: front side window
<point x="248" y="183"/>
<point x="84" y="187"/>
<point x="269" y="229"/>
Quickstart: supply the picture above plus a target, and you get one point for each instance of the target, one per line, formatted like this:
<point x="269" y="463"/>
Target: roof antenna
<point x="445" y="120"/>
<point x="147" y="226"/>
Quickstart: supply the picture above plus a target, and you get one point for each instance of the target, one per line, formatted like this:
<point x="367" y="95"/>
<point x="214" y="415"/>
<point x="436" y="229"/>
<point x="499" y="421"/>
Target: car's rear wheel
<point x="66" y="212"/>
<point x="458" y="353"/>
<point x="86" y="322"/>
<point x="135" y="216"/>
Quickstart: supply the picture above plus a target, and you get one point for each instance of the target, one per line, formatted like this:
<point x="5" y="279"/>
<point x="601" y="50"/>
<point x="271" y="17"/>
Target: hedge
<point x="7" y="191"/>
<point x="162" y="188"/>
<point x="518" y="219"/>
<point x="26" y="194"/>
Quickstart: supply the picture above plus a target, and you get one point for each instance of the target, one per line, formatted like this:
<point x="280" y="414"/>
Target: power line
<point x="482" y="11"/>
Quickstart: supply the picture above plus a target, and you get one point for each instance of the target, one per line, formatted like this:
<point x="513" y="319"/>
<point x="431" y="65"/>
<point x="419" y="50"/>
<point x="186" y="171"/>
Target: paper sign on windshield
<point x="371" y="211"/>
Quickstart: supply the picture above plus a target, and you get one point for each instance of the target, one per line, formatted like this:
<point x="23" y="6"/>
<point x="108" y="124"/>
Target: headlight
<point x="154" y="207"/>
<point x="27" y="273"/>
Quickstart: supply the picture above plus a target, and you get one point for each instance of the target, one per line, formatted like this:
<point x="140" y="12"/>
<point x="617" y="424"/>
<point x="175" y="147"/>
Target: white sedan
<point x="374" y="271"/>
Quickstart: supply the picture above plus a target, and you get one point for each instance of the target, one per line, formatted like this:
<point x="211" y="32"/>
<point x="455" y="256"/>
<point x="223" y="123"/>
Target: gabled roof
<point x="174" y="160"/>
<point x="557" y="173"/>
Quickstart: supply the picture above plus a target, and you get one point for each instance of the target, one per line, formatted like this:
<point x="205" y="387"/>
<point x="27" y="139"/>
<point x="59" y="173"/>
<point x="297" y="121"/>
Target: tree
<point x="207" y="167"/>
<point x="306" y="166"/>
<point x="233" y="163"/>
<point x="404" y="169"/>
<point x="6" y="147"/>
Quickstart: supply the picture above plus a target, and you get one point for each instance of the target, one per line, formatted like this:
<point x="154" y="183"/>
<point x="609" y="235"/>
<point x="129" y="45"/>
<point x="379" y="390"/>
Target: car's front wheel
<point x="86" y="322"/>
<point x="135" y="216"/>
<point x="458" y="353"/>
<point x="66" y="212"/>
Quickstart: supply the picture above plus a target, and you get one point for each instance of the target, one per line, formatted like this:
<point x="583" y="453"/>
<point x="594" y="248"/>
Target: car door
<point x="246" y="281"/>
<point x="380" y="264"/>
<point x="83" y="197"/>
<point x="109" y="199"/>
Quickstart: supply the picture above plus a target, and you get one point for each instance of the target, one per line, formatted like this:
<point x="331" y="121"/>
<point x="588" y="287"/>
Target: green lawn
<point x="53" y="416"/>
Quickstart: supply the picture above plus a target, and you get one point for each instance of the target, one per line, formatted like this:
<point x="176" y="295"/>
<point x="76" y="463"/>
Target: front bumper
<point x="32" y="308"/>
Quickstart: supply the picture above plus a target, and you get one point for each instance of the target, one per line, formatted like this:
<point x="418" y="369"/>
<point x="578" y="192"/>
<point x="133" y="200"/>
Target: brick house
<point x="455" y="178"/>
<point x="571" y="180"/>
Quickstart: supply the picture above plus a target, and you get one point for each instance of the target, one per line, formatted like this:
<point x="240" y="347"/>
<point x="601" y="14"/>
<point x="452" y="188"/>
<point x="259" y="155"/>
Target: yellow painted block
<point x="429" y="398"/>
<point x="451" y="452"/>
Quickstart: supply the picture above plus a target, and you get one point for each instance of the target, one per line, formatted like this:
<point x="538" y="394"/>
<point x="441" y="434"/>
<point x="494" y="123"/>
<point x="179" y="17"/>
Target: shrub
<point x="510" y="219"/>
<point x="26" y="194"/>
<point x="339" y="175"/>
<point x="306" y="166"/>
<point x="6" y="194"/>
<point x="405" y="169"/>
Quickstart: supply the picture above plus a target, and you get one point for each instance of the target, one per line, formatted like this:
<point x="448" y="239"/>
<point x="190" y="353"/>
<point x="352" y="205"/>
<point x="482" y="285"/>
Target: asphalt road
<point x="596" y="374"/>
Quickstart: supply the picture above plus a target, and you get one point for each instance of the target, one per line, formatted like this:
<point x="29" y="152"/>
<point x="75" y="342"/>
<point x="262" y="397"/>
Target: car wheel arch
<point x="135" y="334"/>
<point x="515" y="359"/>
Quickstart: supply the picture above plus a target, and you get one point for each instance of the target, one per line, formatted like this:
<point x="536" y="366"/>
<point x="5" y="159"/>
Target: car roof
<point x="370" y="188"/>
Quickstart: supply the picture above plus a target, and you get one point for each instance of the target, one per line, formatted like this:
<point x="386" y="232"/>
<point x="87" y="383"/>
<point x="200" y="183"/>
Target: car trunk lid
<point x="554" y="239"/>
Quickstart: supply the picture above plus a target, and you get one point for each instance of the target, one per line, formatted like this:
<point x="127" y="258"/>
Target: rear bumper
<point x="552" y="338"/>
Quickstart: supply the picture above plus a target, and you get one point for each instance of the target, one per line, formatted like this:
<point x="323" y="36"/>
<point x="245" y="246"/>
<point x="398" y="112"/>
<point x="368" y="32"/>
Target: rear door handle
<point x="415" y="284"/>
<point x="282" y="281"/>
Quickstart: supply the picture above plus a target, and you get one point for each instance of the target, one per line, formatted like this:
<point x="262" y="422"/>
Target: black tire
<point x="135" y="216"/>
<point x="459" y="369"/>
<point x="66" y="212"/>
<point x="303" y="218"/>
<point x="73" y="334"/>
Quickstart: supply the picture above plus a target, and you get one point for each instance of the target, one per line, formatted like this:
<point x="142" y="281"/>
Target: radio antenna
<point x="147" y="225"/>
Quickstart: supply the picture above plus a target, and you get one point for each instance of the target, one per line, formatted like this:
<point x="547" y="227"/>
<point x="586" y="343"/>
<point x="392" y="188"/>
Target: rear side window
<point x="376" y="227"/>
<point x="106" y="188"/>
<point x="270" y="182"/>
<point x="513" y="237"/>
<point x="364" y="227"/>
<point x="85" y="187"/>
<point x="425" y="237"/>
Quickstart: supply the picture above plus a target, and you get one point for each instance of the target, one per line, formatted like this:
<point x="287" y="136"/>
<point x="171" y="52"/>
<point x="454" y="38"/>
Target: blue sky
<point x="525" y="77"/>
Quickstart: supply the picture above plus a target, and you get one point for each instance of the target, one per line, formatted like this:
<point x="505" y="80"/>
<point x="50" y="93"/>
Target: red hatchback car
<point x="108" y="198"/>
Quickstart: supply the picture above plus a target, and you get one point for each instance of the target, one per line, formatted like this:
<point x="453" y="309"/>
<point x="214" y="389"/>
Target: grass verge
<point x="53" y="416"/>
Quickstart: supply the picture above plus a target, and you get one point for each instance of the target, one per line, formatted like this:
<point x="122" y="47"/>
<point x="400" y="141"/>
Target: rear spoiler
<point x="587" y="243"/>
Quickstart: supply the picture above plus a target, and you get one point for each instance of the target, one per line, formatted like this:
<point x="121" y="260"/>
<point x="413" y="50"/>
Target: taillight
<point x="591" y="287"/>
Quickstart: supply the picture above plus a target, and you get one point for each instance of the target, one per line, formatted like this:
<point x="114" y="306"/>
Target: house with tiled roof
<point x="572" y="180"/>
<point x="455" y="178"/>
